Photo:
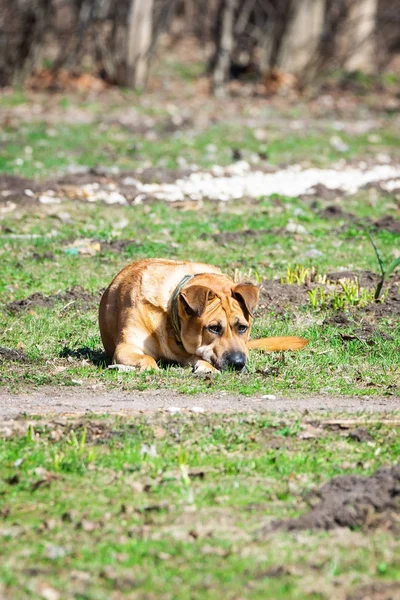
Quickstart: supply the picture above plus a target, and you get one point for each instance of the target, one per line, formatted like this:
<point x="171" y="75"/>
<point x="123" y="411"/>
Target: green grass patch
<point x="105" y="505"/>
<point x="36" y="149"/>
<point x="48" y="334"/>
<point x="175" y="507"/>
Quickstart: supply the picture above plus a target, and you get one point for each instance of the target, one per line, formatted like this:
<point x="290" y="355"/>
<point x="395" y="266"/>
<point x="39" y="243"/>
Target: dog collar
<point x="174" y="309"/>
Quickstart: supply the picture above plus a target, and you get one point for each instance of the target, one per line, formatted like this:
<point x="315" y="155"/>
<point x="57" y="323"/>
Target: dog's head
<point x="215" y="317"/>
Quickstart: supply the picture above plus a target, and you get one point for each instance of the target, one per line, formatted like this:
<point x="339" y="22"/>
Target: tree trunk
<point x="297" y="52"/>
<point x="224" y="49"/>
<point x="140" y="28"/>
<point x="23" y="24"/>
<point x="189" y="8"/>
<point x="357" y="43"/>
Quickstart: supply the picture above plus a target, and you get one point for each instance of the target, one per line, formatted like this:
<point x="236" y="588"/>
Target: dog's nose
<point x="236" y="360"/>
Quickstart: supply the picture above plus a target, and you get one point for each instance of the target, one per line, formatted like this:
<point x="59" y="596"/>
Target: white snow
<point x="238" y="181"/>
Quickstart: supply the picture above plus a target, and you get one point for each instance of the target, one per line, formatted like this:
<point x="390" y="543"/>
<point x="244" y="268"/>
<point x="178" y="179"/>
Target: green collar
<point x="174" y="309"/>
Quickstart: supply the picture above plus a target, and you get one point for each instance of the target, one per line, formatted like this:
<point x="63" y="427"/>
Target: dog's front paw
<point x="147" y="363"/>
<point x="121" y="368"/>
<point x="202" y="367"/>
<point x="135" y="363"/>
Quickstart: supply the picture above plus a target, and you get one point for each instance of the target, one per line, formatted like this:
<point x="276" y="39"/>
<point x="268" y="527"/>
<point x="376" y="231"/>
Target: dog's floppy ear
<point x="195" y="299"/>
<point x="247" y="294"/>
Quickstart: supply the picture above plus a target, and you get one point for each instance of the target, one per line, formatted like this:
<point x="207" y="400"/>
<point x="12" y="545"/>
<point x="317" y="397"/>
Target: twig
<point x="66" y="306"/>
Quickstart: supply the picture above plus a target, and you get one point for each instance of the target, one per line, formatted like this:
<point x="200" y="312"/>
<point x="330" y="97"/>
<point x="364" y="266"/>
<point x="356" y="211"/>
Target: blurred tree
<point x="356" y="42"/>
<point x="140" y="33"/>
<point x="303" y="30"/>
<point x="117" y="38"/>
<point x="224" y="44"/>
<point x="23" y="25"/>
<point x="299" y="37"/>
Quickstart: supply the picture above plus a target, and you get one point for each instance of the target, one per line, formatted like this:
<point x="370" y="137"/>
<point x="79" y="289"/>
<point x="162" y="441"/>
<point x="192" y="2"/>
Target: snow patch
<point x="238" y="181"/>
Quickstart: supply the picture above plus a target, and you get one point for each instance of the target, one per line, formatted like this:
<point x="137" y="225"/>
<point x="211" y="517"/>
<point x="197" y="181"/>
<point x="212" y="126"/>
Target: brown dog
<point x="185" y="312"/>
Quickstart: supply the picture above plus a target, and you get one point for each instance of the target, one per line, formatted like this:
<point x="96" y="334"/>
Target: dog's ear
<point x="247" y="294"/>
<point x="195" y="299"/>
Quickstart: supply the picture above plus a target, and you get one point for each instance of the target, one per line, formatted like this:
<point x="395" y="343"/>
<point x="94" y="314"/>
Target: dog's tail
<point x="276" y="344"/>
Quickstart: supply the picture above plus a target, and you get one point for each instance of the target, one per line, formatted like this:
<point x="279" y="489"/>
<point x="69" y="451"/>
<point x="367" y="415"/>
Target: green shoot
<point x="385" y="272"/>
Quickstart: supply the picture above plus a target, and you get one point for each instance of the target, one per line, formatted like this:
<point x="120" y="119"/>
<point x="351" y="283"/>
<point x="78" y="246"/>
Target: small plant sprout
<point x="347" y="292"/>
<point x="299" y="274"/>
<point x="185" y="476"/>
<point x="317" y="298"/>
<point x="354" y="294"/>
<point x="30" y="434"/>
<point x="250" y="274"/>
<point x="296" y="274"/>
<point x="74" y="455"/>
<point x="78" y="445"/>
<point x="58" y="458"/>
<point x="385" y="271"/>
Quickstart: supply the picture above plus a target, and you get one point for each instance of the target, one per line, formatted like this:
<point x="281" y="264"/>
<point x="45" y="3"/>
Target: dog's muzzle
<point x="234" y="360"/>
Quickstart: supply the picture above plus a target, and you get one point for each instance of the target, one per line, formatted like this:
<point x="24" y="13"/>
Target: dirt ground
<point x="50" y="400"/>
<point x="351" y="501"/>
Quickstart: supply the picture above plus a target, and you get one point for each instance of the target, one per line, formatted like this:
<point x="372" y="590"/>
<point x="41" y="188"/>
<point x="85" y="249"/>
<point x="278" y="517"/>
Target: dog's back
<point x="149" y="282"/>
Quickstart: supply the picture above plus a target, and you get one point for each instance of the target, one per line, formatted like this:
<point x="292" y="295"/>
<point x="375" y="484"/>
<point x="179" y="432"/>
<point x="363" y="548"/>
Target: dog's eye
<point x="216" y="329"/>
<point x="242" y="328"/>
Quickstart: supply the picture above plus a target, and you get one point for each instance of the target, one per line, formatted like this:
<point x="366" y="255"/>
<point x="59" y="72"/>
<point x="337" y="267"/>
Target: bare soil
<point x="352" y="501"/>
<point x="12" y="354"/>
<point x="117" y="246"/>
<point x="332" y="211"/>
<point x="96" y="399"/>
<point x="76" y="295"/>
<point x="281" y="297"/>
<point x="12" y="189"/>
<point x="237" y="237"/>
<point x="379" y="590"/>
<point x="388" y="223"/>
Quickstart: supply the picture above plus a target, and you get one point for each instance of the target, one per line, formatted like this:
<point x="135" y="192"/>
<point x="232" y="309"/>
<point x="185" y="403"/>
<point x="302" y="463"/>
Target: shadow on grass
<point x="97" y="357"/>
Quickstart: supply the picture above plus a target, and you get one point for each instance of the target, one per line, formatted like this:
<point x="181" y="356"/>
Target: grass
<point x="174" y="507"/>
<point x="35" y="149"/>
<point x="116" y="505"/>
<point x="351" y="367"/>
<point x="47" y="335"/>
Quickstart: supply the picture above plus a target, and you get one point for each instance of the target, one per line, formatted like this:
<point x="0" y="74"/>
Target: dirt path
<point x="79" y="400"/>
